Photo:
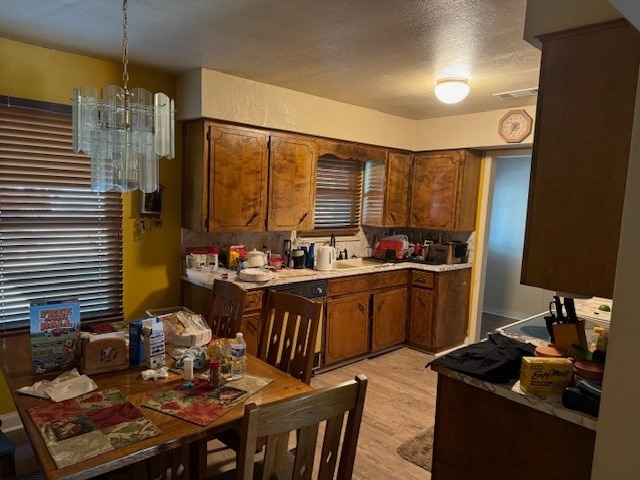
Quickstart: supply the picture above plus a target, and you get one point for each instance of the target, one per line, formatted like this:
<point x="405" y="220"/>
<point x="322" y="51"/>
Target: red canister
<point x="585" y="370"/>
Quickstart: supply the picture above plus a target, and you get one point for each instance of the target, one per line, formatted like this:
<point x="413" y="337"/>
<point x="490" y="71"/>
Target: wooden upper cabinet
<point x="292" y="181"/>
<point x="224" y="177"/>
<point x="385" y="201"/>
<point x="396" y="211"/>
<point x="444" y="194"/>
<point x="581" y="147"/>
<point x="350" y="150"/>
<point x="237" y="178"/>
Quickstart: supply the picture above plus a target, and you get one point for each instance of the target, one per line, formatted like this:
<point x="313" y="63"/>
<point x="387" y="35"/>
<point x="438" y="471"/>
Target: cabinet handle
<point x="393" y="217"/>
<point x="417" y="219"/>
<point x="303" y="217"/>
<point x="361" y="307"/>
<point x="422" y="304"/>
<point x="380" y="305"/>
<point x="253" y="217"/>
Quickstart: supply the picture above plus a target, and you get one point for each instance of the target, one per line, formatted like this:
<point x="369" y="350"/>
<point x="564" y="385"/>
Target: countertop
<point x="550" y="404"/>
<point x="287" y="276"/>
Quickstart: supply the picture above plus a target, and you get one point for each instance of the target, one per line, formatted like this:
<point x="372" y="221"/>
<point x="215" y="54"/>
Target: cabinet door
<point x="389" y="318"/>
<point x="347" y="333"/>
<point x="421" y="317"/>
<point x="435" y="189"/>
<point x="237" y="178"/>
<point x="196" y="298"/>
<point x="451" y="310"/>
<point x="580" y="157"/>
<point x="251" y="326"/>
<point x="292" y="182"/>
<point x="397" y="190"/>
<point x="445" y="190"/>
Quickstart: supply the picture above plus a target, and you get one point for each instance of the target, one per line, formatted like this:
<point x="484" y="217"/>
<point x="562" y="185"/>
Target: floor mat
<point x="419" y="449"/>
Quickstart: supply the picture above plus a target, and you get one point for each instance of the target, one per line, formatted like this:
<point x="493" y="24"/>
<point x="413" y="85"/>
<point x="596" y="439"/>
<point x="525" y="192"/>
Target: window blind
<point x="373" y="196"/>
<point x="338" y="194"/>
<point x="58" y="239"/>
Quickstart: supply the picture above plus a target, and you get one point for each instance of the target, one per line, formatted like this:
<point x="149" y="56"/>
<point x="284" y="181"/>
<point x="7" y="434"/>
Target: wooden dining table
<point x="181" y="447"/>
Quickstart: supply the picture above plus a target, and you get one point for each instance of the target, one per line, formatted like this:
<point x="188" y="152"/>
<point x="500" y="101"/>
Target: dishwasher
<point x="315" y="290"/>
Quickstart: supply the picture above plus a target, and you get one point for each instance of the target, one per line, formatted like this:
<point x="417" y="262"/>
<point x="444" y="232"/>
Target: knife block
<point x="567" y="334"/>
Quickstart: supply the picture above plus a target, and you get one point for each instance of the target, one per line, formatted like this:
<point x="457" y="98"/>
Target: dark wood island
<point x="487" y="431"/>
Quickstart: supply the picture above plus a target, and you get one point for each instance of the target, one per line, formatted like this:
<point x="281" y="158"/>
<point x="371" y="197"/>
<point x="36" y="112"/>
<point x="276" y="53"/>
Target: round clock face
<point x="515" y="126"/>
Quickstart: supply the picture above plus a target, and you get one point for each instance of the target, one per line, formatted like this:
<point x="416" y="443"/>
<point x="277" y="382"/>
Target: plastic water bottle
<point x="238" y="356"/>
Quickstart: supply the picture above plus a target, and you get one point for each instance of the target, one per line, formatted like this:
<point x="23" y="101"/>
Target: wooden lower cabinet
<point x="347" y="327"/>
<point x="198" y="300"/>
<point x="388" y="318"/>
<point x="439" y="309"/>
<point x="421" y="318"/>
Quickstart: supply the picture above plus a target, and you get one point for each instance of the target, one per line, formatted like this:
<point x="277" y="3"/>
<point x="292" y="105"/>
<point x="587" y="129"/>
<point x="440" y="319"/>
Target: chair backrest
<point x="227" y="308"/>
<point x="289" y="331"/>
<point x="304" y="414"/>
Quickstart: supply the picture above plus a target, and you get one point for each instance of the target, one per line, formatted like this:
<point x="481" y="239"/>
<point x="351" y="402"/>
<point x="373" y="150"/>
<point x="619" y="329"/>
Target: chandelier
<point x="125" y="132"/>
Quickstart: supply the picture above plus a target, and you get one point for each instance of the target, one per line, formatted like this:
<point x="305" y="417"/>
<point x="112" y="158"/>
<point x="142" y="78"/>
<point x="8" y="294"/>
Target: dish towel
<point x="196" y="353"/>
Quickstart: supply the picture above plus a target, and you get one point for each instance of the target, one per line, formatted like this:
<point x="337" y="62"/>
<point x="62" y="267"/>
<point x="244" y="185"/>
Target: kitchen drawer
<point x="389" y="279"/>
<point x="253" y="300"/>
<point x="340" y="286"/>
<point x="421" y="279"/>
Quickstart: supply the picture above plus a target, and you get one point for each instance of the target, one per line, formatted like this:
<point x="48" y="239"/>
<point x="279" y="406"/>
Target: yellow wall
<point x="152" y="264"/>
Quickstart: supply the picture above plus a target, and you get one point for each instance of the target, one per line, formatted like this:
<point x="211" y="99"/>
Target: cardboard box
<point x="136" y="339"/>
<point x="55" y="330"/>
<point x="545" y="375"/>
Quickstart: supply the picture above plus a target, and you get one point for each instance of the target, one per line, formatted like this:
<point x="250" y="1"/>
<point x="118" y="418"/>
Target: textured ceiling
<point x="380" y="54"/>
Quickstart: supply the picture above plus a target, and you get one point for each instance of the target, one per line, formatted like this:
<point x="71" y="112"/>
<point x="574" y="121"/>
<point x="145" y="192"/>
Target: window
<point x="57" y="238"/>
<point x="338" y="194"/>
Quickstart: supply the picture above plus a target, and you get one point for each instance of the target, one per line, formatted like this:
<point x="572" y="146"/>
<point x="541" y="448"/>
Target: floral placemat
<point x="90" y="424"/>
<point x="202" y="404"/>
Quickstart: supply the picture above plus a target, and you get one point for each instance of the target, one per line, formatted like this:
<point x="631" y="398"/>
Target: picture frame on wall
<point x="152" y="203"/>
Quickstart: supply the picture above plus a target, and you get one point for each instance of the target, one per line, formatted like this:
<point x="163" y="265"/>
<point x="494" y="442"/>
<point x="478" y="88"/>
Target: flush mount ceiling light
<point x="125" y="132"/>
<point x="452" y="90"/>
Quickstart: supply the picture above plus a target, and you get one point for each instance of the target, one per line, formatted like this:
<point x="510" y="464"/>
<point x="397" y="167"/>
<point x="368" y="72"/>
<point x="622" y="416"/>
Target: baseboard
<point x="11" y="421"/>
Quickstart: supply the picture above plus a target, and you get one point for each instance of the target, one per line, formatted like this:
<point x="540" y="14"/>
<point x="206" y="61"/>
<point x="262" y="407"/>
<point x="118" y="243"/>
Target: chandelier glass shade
<point x="452" y="90"/>
<point x="125" y="132"/>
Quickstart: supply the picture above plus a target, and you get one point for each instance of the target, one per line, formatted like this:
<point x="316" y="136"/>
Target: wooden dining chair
<point x="227" y="308"/>
<point x="289" y="333"/>
<point x="304" y="415"/>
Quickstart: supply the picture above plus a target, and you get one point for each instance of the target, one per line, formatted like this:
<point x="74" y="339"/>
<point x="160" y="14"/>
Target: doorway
<point x="501" y="297"/>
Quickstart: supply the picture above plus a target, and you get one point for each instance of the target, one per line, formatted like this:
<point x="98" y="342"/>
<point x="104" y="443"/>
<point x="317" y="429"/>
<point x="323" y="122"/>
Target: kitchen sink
<point x="355" y="263"/>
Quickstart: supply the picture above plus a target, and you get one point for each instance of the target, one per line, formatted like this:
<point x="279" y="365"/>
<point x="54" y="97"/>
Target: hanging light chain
<point x="125" y="47"/>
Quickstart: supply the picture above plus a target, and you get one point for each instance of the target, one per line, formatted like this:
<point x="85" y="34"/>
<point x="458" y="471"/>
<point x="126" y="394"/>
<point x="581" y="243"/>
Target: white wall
<point x="211" y="94"/>
<point x="474" y="130"/>
<point x="618" y="435"/>
<point x="503" y="293"/>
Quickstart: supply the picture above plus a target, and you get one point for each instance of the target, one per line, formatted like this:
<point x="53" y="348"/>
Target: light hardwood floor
<point x="400" y="403"/>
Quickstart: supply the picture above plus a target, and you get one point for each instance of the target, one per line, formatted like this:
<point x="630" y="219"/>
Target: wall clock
<point x="515" y="126"/>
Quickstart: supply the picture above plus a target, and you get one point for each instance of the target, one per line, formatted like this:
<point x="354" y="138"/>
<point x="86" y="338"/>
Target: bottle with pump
<point x="238" y="356"/>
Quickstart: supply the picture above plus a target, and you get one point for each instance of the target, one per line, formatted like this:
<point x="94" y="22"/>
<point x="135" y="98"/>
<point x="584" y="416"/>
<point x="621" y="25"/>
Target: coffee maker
<point x="457" y="252"/>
